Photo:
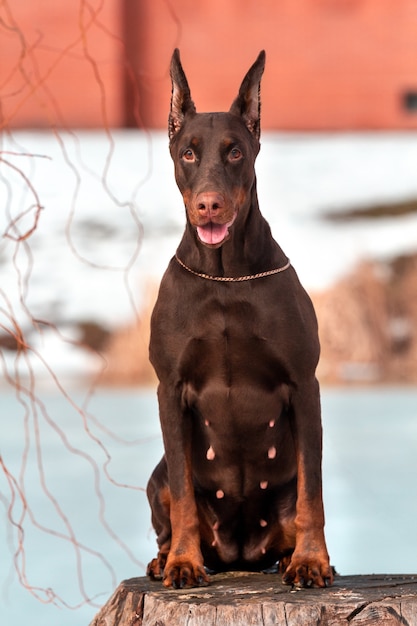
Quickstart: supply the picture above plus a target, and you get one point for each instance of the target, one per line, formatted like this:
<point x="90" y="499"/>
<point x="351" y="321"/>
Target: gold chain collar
<point x="237" y="279"/>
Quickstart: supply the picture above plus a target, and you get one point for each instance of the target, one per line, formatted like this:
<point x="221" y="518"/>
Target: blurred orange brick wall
<point x="59" y="65"/>
<point x="331" y="64"/>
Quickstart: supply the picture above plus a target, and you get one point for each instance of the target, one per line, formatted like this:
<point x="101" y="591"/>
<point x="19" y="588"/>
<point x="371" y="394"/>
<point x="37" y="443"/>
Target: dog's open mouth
<point x="212" y="234"/>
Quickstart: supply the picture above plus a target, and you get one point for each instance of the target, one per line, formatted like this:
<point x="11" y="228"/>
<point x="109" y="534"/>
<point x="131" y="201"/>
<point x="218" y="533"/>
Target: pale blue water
<point x="370" y="488"/>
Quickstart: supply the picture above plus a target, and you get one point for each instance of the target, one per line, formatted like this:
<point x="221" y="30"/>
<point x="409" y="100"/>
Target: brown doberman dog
<point x="235" y="347"/>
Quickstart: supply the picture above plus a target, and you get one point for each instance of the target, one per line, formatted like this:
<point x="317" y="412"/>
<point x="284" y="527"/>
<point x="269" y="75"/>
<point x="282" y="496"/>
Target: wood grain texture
<point x="252" y="599"/>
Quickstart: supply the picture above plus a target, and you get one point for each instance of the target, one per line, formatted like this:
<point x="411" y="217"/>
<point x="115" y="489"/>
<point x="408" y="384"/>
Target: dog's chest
<point x="230" y="343"/>
<point x="235" y="383"/>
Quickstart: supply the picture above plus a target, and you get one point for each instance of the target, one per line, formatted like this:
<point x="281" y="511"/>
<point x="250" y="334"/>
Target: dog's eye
<point x="188" y="155"/>
<point x="235" y="154"/>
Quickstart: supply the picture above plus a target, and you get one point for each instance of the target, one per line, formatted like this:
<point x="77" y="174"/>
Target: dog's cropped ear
<point x="248" y="102"/>
<point x="181" y="102"/>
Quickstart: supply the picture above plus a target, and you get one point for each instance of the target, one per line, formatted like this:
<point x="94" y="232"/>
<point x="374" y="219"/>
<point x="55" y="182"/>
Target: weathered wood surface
<point x="242" y="599"/>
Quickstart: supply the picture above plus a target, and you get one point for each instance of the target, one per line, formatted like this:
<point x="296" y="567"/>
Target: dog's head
<point x="214" y="154"/>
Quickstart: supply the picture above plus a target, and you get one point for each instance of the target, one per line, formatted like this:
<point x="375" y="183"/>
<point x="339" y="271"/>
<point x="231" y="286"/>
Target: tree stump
<point x="255" y="599"/>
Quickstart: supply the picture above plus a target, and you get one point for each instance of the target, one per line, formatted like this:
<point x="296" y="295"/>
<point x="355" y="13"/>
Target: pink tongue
<point x="212" y="233"/>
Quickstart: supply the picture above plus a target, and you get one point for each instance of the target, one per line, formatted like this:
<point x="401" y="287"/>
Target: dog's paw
<point x="155" y="569"/>
<point x="180" y="574"/>
<point x="308" y="572"/>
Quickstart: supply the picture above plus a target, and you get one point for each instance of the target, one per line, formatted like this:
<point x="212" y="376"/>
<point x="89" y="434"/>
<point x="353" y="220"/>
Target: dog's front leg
<point x="184" y="566"/>
<point x="309" y="565"/>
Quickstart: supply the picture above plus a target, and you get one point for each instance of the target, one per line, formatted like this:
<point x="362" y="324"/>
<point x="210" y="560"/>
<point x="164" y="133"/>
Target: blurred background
<point x="90" y="216"/>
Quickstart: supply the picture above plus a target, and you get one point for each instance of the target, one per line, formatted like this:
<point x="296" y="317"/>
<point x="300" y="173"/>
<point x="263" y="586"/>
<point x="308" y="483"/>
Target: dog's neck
<point x="242" y="254"/>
